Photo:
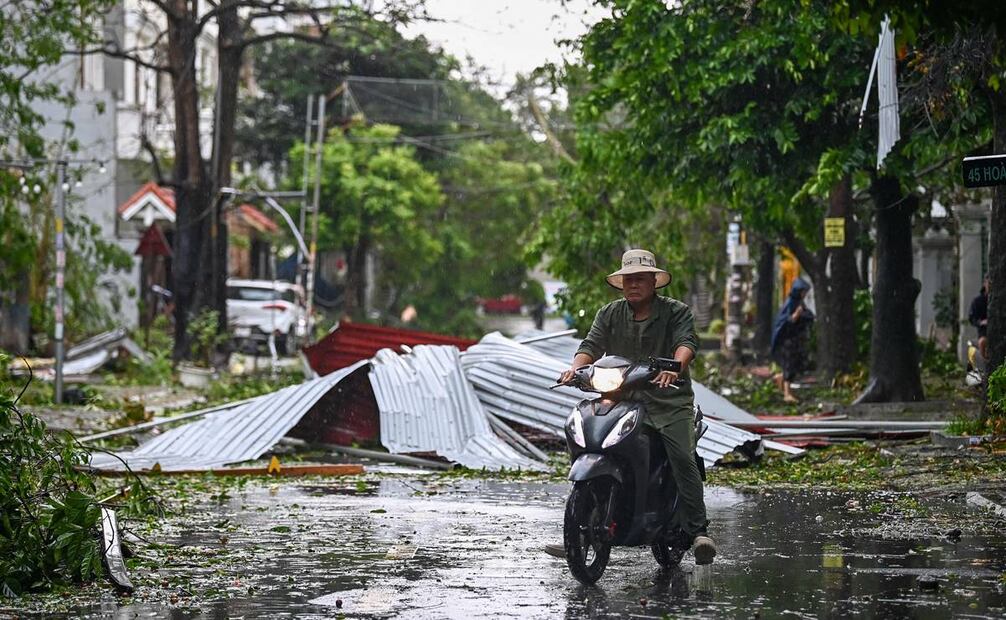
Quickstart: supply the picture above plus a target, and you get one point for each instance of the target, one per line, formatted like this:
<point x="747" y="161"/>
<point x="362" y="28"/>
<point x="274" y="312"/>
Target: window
<point x="249" y="293"/>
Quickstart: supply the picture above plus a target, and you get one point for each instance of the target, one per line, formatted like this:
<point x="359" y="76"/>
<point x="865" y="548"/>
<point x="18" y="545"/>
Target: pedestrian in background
<point x="789" y="337"/>
<point x="979" y="317"/>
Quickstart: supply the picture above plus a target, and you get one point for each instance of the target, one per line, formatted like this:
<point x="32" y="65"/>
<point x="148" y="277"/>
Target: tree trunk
<point x="229" y="54"/>
<point x="997" y="246"/>
<point x="356" y="278"/>
<point x="894" y="354"/>
<point x="833" y="273"/>
<point x="194" y="205"/>
<point x="764" y="298"/>
<point x="15" y="318"/>
<point x="836" y="335"/>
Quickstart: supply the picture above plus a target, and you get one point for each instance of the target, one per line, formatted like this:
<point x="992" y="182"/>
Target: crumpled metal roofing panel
<point x="512" y="380"/>
<point x="427" y="405"/>
<point x="563" y="348"/>
<point x="229" y="436"/>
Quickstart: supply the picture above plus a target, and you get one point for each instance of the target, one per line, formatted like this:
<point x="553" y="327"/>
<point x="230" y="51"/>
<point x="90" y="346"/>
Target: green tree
<point x="494" y="193"/>
<point x="287" y="71"/>
<point x="959" y="57"/>
<point x="34" y="40"/>
<point x="728" y="105"/>
<point x="494" y="178"/>
<point x="376" y="197"/>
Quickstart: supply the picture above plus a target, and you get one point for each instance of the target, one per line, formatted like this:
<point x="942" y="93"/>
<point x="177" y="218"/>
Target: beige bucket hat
<point x="638" y="261"/>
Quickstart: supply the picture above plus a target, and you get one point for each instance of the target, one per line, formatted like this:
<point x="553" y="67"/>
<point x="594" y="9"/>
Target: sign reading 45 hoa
<point x="984" y="171"/>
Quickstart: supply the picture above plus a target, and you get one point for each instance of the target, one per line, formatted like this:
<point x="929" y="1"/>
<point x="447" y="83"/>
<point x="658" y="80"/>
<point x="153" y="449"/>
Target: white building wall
<point x="117" y="101"/>
<point x="93" y="120"/>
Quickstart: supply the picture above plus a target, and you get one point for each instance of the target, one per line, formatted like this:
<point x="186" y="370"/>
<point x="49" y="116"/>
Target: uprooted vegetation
<point x="49" y="507"/>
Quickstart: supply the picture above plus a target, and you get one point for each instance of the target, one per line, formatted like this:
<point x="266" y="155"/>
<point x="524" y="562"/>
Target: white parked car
<point x="258" y="308"/>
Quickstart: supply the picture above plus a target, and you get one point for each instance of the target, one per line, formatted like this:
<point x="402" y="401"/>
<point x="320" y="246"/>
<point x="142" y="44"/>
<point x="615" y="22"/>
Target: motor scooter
<point x="623" y="492"/>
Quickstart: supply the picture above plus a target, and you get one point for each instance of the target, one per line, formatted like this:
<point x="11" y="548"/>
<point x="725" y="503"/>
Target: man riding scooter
<point x="645" y="325"/>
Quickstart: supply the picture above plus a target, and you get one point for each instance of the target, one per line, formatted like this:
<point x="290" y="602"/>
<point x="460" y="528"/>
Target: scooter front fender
<point x="590" y="465"/>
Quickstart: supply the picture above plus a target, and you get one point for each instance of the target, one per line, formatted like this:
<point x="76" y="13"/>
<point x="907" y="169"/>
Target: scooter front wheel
<point x="587" y="547"/>
<point x="666" y="554"/>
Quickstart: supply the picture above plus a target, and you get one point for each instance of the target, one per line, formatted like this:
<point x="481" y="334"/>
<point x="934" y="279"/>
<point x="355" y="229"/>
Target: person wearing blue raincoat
<point x="789" y="337"/>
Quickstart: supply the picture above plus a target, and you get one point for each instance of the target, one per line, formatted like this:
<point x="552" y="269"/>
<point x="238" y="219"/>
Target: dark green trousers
<point x="677" y="429"/>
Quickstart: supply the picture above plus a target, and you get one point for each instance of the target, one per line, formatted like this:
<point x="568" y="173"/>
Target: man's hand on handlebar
<point x="566" y="376"/>
<point x="666" y="378"/>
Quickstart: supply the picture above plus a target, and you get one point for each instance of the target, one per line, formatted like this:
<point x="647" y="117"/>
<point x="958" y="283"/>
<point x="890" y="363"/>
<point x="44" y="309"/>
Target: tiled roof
<point x="253" y="216"/>
<point x="166" y="195"/>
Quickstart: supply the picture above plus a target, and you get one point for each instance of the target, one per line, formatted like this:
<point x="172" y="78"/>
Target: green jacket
<point x="669" y="326"/>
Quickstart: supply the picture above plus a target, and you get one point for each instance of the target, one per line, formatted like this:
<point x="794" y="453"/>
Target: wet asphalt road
<point x="418" y="547"/>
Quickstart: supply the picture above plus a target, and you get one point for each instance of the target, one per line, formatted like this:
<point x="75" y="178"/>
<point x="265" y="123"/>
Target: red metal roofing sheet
<point x="352" y="342"/>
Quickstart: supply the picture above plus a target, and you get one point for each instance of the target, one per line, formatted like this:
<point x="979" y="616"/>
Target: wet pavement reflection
<point x="428" y="548"/>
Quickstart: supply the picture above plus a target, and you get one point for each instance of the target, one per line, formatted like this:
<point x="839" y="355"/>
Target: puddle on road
<point x="426" y="548"/>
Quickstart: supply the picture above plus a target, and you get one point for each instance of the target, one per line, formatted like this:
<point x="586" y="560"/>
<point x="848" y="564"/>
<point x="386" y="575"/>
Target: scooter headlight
<point x="607" y="379"/>
<point x="574" y="426"/>
<point x="622" y="428"/>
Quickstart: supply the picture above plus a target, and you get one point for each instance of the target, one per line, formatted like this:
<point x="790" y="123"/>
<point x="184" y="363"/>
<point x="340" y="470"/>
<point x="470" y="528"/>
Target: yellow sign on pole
<point x="834" y="232"/>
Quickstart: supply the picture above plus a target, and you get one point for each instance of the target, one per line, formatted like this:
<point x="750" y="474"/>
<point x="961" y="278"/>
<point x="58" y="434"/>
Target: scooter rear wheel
<point x="586" y="550"/>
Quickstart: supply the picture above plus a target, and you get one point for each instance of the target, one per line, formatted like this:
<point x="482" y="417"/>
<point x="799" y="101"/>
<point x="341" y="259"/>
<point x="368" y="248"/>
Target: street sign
<point x="834" y="232"/>
<point x="984" y="171"/>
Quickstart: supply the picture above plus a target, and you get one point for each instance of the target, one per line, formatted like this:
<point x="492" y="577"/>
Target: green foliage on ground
<point x="48" y="511"/>
<point x="239" y="387"/>
<point x="997" y="391"/>
<point x="861" y="466"/>
<point x="992" y="421"/>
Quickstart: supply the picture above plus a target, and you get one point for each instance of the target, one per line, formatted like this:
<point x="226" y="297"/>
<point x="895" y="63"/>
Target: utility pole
<point x="313" y="256"/>
<point x="60" y="272"/>
<point x="301" y="270"/>
<point x="60" y="225"/>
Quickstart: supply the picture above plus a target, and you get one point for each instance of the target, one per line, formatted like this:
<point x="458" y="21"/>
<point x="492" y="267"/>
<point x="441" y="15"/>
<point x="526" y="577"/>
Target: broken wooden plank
<point x="341" y="469"/>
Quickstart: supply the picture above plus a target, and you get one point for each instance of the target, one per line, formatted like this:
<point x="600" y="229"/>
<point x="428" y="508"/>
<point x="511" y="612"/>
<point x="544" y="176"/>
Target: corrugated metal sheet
<point x="352" y="342"/>
<point x="563" y="348"/>
<point x="90" y="355"/>
<point x="231" y="436"/>
<point x="887" y="93"/>
<point x="427" y="405"/>
<point x="512" y="381"/>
